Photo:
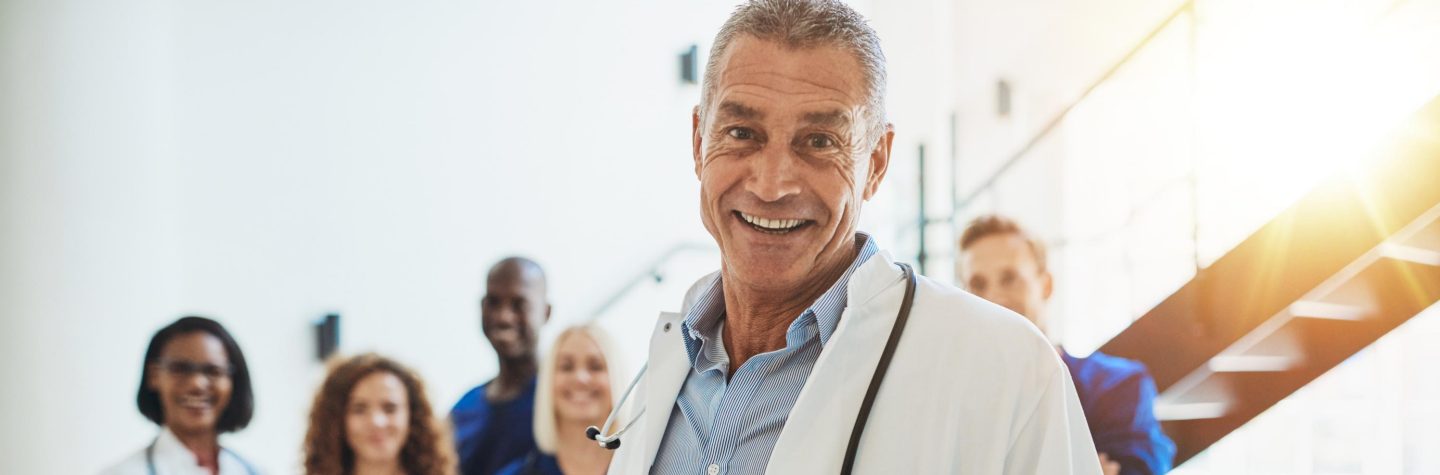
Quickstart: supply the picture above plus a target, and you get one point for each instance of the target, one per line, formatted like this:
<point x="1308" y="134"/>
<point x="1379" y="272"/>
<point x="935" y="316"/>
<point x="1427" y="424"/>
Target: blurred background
<point x="1239" y="193"/>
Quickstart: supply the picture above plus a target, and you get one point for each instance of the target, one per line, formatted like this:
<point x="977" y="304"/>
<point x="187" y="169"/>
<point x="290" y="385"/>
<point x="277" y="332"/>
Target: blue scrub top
<point x="535" y="463"/>
<point x="488" y="436"/>
<point x="1118" y="397"/>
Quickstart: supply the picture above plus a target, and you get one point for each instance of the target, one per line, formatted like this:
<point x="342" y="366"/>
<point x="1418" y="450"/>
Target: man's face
<point x="784" y="162"/>
<point x="512" y="311"/>
<point x="1001" y="268"/>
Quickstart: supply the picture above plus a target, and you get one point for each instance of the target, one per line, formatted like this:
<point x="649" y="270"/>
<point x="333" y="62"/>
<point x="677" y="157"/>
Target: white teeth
<point x="772" y="224"/>
<point x="195" y="401"/>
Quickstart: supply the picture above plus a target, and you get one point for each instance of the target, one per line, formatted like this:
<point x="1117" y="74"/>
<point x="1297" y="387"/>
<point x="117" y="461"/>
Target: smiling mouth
<point x="772" y="226"/>
<point x="196" y="402"/>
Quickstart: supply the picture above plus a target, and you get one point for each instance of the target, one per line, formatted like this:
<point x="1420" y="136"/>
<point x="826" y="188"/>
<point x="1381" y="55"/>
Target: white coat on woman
<point x="170" y="457"/>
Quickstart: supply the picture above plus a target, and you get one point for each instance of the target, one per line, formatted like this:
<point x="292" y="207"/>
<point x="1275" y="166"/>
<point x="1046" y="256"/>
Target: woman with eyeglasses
<point x="372" y="417"/>
<point x="195" y="386"/>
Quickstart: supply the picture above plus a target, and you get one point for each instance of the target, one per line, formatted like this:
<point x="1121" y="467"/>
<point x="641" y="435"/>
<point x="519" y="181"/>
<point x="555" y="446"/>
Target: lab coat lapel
<point x="818" y="427"/>
<point x="669" y="364"/>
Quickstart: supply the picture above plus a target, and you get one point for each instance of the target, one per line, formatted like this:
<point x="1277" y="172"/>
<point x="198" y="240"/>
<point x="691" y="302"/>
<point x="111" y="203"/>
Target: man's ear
<point x="1048" y="284"/>
<point x="879" y="161"/>
<point x="695" y="138"/>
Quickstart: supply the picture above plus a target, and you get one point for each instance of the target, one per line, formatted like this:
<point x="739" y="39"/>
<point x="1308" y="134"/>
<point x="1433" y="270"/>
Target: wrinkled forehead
<point x="764" y="79"/>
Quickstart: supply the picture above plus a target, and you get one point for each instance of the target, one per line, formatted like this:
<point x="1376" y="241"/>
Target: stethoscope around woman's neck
<point x="150" y="459"/>
<point x="612" y="441"/>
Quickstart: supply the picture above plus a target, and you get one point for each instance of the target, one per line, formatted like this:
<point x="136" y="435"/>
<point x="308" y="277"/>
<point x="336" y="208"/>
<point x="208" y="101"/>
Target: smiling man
<point x="769" y="365"/>
<point x="493" y="421"/>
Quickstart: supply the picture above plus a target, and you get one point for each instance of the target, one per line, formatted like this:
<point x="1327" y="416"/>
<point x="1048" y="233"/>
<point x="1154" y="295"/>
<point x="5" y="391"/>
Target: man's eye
<point x="820" y="141"/>
<point x="742" y="133"/>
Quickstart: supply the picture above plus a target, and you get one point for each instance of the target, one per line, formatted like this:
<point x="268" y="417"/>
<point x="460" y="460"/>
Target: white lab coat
<point x="973" y="389"/>
<point x="173" y="458"/>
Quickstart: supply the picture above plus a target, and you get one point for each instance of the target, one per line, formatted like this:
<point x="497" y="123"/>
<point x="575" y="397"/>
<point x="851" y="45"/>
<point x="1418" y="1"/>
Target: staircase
<point x="1352" y="260"/>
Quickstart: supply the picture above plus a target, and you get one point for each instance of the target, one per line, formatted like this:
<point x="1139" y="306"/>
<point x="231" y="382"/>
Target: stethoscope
<point x="612" y="441"/>
<point x="150" y="459"/>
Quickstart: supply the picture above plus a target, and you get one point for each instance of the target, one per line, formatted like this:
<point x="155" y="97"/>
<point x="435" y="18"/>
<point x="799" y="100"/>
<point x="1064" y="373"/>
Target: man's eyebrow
<point x="739" y="111"/>
<point x="834" y="118"/>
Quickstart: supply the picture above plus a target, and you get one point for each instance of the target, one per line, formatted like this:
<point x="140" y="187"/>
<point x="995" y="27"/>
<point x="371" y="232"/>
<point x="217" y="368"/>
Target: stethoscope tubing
<point x="612" y="441"/>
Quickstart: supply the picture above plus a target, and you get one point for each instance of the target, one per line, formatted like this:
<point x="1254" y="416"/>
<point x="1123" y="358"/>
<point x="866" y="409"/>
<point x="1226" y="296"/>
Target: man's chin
<point x="769" y="273"/>
<point x="517" y="357"/>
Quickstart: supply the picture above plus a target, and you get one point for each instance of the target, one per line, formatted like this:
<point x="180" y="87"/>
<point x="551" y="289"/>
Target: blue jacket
<point x="1118" y="397"/>
<point x="535" y="463"/>
<point x="488" y="436"/>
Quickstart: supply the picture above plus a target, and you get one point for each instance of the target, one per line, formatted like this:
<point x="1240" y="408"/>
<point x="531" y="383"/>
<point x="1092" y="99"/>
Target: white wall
<point x="89" y="254"/>
<point x="267" y="162"/>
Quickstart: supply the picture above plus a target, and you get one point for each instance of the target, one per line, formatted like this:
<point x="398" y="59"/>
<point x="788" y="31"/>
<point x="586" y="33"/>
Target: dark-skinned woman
<point x="194" y="386"/>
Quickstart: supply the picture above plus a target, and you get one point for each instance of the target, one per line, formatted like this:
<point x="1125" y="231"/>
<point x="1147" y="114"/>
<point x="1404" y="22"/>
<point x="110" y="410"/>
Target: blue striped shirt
<point x="757" y="400"/>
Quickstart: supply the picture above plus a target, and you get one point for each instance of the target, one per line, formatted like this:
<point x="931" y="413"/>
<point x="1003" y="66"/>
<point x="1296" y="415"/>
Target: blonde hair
<point x="546" y="434"/>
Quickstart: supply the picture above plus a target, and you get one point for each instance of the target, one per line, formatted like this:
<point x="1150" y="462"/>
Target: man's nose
<point x="505" y="318"/>
<point x="774" y="174"/>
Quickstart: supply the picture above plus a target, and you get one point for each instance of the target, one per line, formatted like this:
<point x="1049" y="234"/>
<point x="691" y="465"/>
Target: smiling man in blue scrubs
<point x="1001" y="263"/>
<point x="493" y="421"/>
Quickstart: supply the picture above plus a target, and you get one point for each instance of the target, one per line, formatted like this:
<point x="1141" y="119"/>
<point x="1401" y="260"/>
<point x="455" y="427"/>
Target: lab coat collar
<point x="169" y="448"/>
<point x="170" y="455"/>
<point x="824" y="412"/>
<point x="873" y="277"/>
<point x="669" y="364"/>
<point x="665" y="375"/>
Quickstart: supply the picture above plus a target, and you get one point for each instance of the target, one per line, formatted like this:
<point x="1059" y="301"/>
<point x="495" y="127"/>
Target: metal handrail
<point x="650" y="272"/>
<point x="1054" y="122"/>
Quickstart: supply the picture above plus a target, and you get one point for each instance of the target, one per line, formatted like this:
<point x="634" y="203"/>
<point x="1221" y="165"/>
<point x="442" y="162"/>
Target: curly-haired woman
<point x="371" y="416"/>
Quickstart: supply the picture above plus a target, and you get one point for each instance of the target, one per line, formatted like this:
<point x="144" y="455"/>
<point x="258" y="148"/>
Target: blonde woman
<point x="577" y="385"/>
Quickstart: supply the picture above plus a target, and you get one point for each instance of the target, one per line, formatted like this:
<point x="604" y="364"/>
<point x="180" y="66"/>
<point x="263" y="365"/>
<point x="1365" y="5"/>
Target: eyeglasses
<point x="183" y="368"/>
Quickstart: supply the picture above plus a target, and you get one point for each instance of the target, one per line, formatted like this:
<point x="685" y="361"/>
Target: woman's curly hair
<point x="427" y="449"/>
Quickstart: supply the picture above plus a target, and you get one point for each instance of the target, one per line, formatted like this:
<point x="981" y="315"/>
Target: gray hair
<point x="806" y="24"/>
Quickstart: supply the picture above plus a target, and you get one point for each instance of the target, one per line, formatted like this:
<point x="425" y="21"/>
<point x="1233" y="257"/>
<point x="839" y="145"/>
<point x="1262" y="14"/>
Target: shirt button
<point x="713" y="469"/>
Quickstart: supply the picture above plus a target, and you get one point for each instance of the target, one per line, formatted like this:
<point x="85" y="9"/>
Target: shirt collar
<point x="704" y="321"/>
